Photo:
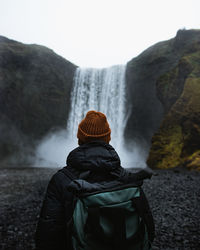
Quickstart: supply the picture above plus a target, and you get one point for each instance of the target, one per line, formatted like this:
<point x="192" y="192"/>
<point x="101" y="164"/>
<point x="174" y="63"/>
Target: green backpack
<point x="109" y="216"/>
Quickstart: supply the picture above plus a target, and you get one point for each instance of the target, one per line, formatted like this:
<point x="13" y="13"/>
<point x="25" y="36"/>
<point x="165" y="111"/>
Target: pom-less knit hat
<point x="94" y="126"/>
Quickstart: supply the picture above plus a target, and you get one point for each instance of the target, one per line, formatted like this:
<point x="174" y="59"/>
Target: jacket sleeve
<point x="51" y="231"/>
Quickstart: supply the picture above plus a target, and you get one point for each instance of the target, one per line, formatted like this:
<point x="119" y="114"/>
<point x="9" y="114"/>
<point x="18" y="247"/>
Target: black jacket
<point x="94" y="162"/>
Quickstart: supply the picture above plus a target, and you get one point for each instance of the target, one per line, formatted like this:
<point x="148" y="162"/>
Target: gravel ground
<point x="174" y="196"/>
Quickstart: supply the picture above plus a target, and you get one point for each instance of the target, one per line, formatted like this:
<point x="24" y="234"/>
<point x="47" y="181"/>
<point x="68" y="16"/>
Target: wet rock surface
<point x="174" y="197"/>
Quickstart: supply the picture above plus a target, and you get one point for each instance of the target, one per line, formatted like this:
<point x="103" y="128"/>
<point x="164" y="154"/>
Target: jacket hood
<point x="96" y="156"/>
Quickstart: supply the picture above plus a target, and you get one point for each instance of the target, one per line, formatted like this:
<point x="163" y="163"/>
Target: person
<point x="93" y="160"/>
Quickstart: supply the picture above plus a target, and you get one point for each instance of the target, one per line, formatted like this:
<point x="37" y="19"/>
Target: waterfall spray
<point x="94" y="89"/>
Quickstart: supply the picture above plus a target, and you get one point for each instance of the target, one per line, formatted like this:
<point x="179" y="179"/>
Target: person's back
<point x="94" y="161"/>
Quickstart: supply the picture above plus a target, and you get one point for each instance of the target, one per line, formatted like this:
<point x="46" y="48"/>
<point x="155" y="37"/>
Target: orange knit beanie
<point x="94" y="126"/>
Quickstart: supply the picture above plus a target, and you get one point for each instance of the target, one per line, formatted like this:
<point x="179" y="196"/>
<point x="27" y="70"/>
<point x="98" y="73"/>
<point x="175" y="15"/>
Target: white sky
<point x="97" y="33"/>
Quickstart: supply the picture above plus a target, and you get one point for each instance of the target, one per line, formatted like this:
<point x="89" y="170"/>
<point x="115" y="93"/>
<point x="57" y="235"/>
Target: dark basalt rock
<point x="35" y="86"/>
<point x="177" y="140"/>
<point x="159" y="89"/>
<point x="145" y="106"/>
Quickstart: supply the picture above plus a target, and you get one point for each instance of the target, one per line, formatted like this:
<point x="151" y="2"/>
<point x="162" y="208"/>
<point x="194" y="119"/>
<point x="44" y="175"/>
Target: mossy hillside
<point x="170" y="85"/>
<point x="193" y="161"/>
<point x="147" y="102"/>
<point x="178" y="139"/>
<point x="166" y="148"/>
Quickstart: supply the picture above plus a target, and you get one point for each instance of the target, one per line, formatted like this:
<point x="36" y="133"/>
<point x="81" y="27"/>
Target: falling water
<point x="101" y="90"/>
<point x="94" y="89"/>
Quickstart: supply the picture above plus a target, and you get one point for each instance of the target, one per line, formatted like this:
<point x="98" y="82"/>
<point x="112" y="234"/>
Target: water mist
<point x="102" y="90"/>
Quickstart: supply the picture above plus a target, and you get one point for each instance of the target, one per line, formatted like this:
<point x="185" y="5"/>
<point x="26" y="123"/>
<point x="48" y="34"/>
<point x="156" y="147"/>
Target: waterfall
<point x="101" y="90"/>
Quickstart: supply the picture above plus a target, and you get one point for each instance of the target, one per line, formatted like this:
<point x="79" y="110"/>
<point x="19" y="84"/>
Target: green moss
<point x="194" y="60"/>
<point x="177" y="140"/>
<point x="166" y="148"/>
<point x="172" y="148"/>
<point x="193" y="161"/>
<point x="171" y="84"/>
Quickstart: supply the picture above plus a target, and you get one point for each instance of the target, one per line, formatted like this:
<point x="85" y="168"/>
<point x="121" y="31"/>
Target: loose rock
<point x="174" y="197"/>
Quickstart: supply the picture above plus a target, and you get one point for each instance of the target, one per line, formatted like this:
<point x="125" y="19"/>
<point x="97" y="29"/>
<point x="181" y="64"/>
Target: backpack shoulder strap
<point x="142" y="206"/>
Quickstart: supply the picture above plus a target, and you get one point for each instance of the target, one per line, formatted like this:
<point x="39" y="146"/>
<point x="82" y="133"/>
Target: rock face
<point x="145" y="107"/>
<point x="177" y="141"/>
<point x="35" y="86"/>
<point x="164" y="88"/>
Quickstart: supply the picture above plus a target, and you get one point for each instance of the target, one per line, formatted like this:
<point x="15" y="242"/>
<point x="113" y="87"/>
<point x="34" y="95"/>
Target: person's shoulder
<point x="57" y="174"/>
<point x="60" y="178"/>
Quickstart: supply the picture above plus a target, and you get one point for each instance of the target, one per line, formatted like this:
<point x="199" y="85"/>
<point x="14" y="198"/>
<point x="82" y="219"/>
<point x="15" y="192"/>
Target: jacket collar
<point x="95" y="156"/>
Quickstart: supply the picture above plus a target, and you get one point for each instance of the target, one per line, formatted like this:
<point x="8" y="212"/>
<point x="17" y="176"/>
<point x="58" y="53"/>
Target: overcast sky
<point x="97" y="33"/>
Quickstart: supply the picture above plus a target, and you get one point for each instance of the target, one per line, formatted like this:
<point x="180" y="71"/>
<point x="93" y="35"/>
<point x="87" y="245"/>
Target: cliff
<point x="146" y="109"/>
<point x="163" y="85"/>
<point x="35" y="86"/>
<point x="177" y="142"/>
<point x="162" y="99"/>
